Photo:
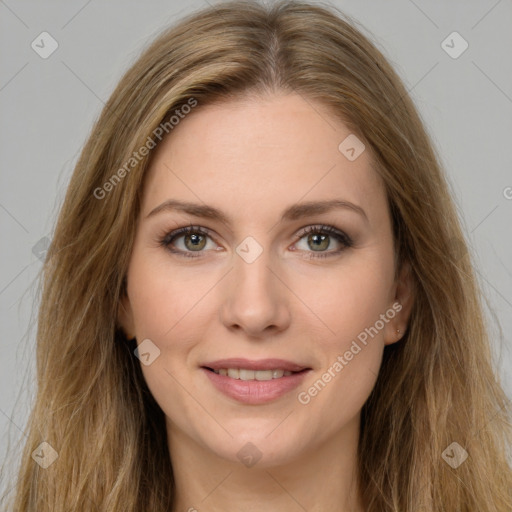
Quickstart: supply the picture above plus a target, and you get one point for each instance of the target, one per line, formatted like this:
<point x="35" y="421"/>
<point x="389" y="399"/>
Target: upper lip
<point x="251" y="364"/>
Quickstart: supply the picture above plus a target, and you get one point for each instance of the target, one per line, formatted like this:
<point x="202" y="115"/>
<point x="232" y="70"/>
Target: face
<point x="259" y="276"/>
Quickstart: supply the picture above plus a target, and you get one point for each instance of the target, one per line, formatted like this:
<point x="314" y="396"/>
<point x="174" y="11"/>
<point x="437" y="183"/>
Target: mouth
<point x="254" y="382"/>
<point x="248" y="374"/>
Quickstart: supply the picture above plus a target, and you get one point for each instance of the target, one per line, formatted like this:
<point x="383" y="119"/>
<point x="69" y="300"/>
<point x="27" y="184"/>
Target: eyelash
<point x="323" y="229"/>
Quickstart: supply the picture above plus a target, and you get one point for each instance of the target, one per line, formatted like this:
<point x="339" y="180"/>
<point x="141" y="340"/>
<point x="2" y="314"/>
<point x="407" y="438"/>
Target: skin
<point x="252" y="158"/>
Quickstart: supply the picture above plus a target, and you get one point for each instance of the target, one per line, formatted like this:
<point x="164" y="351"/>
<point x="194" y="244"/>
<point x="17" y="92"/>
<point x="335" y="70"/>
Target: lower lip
<point x="255" y="391"/>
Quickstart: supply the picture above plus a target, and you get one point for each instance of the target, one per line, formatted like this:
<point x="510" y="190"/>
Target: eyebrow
<point x="294" y="212"/>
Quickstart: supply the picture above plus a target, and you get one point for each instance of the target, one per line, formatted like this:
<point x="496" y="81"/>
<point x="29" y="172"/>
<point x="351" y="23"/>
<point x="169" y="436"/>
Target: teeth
<point x="244" y="374"/>
<point x="233" y="373"/>
<point x="263" y="375"/>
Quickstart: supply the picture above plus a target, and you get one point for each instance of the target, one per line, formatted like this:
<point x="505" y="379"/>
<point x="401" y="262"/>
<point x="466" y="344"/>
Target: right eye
<point x="194" y="240"/>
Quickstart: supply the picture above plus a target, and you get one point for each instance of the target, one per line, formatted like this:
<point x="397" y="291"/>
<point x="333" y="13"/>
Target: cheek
<point x="166" y="305"/>
<point x="347" y="310"/>
<point x="163" y="297"/>
<point x="346" y="301"/>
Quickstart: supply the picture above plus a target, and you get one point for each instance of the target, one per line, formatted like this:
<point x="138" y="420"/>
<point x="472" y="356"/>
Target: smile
<point x="245" y="374"/>
<point x="253" y="387"/>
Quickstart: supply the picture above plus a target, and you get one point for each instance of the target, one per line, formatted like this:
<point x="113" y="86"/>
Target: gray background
<point x="48" y="107"/>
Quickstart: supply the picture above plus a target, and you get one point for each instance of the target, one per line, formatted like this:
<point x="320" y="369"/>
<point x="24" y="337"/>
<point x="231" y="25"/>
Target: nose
<point x="257" y="299"/>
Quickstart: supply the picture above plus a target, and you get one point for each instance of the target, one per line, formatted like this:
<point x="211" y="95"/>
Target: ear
<point x="401" y="305"/>
<point x="125" y="316"/>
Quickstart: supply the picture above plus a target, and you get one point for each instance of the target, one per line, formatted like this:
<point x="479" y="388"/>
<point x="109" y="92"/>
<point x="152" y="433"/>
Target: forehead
<point x="270" y="152"/>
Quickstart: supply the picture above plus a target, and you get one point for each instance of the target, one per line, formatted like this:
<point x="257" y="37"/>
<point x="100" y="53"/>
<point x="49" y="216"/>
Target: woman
<point x="258" y="294"/>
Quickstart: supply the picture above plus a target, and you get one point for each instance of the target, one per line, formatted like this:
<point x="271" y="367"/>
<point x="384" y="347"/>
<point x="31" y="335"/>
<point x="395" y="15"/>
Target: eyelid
<point x="326" y="229"/>
<point x="169" y="236"/>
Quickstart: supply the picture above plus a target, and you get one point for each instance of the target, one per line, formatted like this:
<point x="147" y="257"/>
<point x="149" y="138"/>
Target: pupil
<point x="195" y="240"/>
<point x="318" y="239"/>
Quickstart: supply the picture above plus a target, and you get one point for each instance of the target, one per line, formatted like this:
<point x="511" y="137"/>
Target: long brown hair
<point x="436" y="387"/>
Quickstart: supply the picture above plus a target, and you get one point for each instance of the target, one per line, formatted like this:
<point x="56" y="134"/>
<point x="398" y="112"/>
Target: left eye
<point x="318" y="238"/>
